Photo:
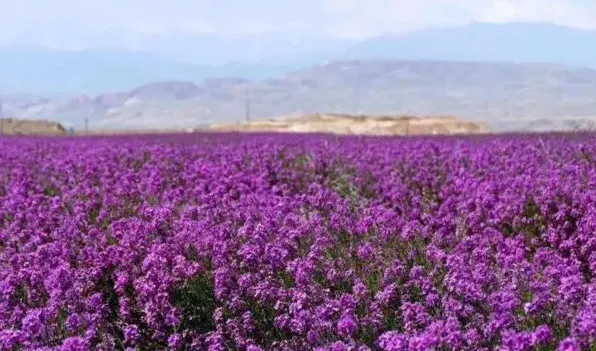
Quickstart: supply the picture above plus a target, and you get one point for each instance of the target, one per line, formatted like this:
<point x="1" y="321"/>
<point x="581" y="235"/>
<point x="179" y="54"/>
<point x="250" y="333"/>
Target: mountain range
<point x="40" y="70"/>
<point x="506" y="95"/>
<point x="514" y="76"/>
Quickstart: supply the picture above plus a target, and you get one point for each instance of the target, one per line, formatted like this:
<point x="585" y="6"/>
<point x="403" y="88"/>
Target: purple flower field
<point x="298" y="242"/>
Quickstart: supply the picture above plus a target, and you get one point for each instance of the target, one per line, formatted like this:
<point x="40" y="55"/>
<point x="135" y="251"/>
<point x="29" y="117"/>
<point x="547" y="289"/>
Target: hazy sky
<point x="76" y="20"/>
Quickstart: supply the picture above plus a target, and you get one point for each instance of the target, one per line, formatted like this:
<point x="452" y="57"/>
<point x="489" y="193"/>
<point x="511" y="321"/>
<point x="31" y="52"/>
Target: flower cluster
<point x="298" y="242"/>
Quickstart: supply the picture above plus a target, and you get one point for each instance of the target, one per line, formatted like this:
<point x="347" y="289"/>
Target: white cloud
<point x="346" y="18"/>
<point x="571" y="13"/>
<point x="205" y="15"/>
<point x="360" y="18"/>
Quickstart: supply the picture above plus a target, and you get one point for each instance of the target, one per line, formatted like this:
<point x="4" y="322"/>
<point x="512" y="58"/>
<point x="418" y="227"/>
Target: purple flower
<point x="132" y="334"/>
<point x="347" y="325"/>
<point x="393" y="341"/>
<point x="33" y="323"/>
<point x="174" y="341"/>
<point x="75" y="344"/>
<point x="542" y="335"/>
<point x="339" y="346"/>
<point x="73" y="322"/>
<point x="569" y="344"/>
<point x="584" y="326"/>
<point x="297" y="242"/>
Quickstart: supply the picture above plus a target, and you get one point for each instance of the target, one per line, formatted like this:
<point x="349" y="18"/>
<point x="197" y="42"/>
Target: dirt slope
<point x="366" y="125"/>
<point x="13" y="126"/>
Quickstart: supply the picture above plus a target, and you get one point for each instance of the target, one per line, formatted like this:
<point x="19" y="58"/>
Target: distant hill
<point x="508" y="96"/>
<point x="483" y="42"/>
<point x="264" y="56"/>
<point x="41" y="71"/>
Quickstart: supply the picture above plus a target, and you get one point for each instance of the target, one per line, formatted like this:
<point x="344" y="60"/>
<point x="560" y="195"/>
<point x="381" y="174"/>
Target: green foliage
<point x="196" y="299"/>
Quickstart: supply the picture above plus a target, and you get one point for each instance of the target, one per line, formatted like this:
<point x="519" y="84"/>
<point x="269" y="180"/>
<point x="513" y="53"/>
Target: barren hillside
<point x="365" y="125"/>
<point x="14" y="126"/>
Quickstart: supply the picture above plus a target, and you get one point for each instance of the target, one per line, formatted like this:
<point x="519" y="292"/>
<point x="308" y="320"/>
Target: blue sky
<point x="78" y="21"/>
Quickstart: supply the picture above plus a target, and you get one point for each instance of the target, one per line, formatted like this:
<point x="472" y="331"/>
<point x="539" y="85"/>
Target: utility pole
<point x="86" y="125"/>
